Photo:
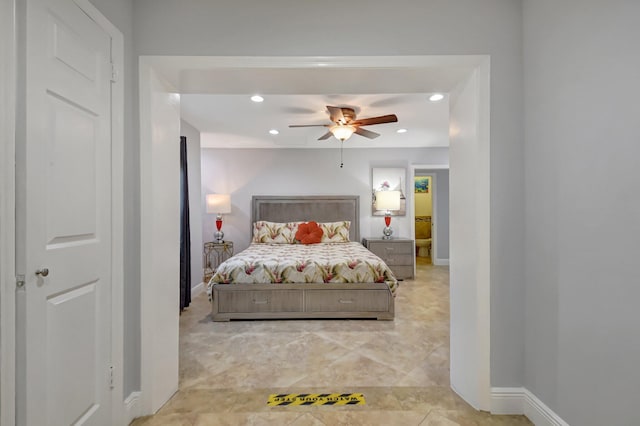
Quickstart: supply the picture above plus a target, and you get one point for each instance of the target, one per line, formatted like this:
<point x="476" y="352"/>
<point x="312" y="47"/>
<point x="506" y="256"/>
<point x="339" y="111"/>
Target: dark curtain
<point x="185" y="233"/>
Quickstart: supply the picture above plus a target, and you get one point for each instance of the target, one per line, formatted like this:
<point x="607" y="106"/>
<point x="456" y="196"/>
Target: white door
<point x="65" y="320"/>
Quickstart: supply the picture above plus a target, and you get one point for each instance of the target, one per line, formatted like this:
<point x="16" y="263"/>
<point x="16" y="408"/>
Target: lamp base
<point x="218" y="236"/>
<point x="387" y="232"/>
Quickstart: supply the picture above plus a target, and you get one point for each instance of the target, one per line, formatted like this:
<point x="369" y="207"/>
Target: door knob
<point x="42" y="272"/>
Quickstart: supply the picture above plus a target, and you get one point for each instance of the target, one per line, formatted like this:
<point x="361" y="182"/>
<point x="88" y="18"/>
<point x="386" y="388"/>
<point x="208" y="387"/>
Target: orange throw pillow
<point x="309" y="233"/>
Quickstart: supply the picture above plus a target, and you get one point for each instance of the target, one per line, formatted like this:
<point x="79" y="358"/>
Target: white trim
<point x="507" y="400"/>
<point x="539" y="413"/>
<point x="522" y="401"/>
<point x="169" y="67"/>
<point x="8" y="51"/>
<point x="117" y="207"/>
<point x="483" y="226"/>
<point x="415" y="167"/>
<point x="131" y="407"/>
<point x="197" y="289"/>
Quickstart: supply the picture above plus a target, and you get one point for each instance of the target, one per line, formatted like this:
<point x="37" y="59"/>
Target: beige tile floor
<point x="228" y="370"/>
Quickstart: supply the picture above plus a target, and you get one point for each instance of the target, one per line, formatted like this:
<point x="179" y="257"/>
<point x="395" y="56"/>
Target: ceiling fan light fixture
<point x="342" y="132"/>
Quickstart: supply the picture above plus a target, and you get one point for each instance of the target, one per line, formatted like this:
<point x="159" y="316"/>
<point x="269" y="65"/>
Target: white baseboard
<point x="507" y="400"/>
<point x="521" y="401"/>
<point x="131" y="407"/>
<point x="197" y="289"/>
<point x="441" y="262"/>
<point x="538" y="412"/>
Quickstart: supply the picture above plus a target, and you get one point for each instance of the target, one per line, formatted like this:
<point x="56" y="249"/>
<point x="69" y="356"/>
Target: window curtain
<point x="185" y="232"/>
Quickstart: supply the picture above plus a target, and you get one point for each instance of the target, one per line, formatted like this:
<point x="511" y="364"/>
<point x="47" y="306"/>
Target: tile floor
<point x="228" y="370"/>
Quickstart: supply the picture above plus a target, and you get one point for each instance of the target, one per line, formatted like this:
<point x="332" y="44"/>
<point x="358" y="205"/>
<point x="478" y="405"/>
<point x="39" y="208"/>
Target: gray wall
<point x="441" y="191"/>
<point x="581" y="327"/>
<point x="195" y="199"/>
<point x="120" y="13"/>
<point x="290" y="172"/>
<point x="420" y="27"/>
<point x="582" y="85"/>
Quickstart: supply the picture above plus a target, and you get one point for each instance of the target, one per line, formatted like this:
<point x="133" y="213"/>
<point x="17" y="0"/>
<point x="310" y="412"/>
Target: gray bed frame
<point x="296" y="301"/>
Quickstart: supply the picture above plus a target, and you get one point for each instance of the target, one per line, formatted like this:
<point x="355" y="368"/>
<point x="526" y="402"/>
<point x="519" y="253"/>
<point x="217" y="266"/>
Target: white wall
<point x="467" y="262"/>
<point x="195" y="199"/>
<point x="302" y="172"/>
<point x="159" y="240"/>
<point x="582" y="85"/>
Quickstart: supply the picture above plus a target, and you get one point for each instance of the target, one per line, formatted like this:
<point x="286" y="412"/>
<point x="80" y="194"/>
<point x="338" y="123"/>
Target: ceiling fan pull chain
<point x="341" y="143"/>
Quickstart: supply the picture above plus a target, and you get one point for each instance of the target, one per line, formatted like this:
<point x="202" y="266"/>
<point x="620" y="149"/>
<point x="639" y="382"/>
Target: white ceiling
<point x="215" y="94"/>
<point x="234" y="121"/>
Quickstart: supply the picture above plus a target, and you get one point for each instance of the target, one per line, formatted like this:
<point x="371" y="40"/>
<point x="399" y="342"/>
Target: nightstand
<point x="397" y="253"/>
<point x="214" y="254"/>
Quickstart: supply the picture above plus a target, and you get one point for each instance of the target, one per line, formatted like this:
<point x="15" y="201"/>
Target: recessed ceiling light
<point x="274" y="132"/>
<point x="436" y="97"/>
<point x="257" y="98"/>
<point x="401" y="131"/>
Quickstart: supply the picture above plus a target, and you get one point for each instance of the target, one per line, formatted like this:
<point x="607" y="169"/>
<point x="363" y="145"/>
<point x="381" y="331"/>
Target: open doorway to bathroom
<point x="423" y="204"/>
<point x="431" y="215"/>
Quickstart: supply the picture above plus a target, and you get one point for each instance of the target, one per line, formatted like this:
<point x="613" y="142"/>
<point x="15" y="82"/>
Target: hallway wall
<point x="581" y="98"/>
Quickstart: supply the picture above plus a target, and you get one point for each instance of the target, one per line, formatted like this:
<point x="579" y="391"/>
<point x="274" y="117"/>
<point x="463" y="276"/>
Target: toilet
<point x="423" y="236"/>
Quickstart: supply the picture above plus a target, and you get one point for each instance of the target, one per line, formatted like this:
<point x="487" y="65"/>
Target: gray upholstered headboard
<point x="319" y="208"/>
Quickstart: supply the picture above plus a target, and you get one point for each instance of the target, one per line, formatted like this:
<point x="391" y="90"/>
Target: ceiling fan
<point x="345" y="124"/>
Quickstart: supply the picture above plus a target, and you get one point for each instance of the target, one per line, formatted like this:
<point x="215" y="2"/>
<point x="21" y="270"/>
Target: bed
<point x="258" y="283"/>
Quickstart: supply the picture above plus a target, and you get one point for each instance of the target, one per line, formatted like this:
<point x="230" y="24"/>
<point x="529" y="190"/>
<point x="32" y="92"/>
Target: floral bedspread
<point x="299" y="263"/>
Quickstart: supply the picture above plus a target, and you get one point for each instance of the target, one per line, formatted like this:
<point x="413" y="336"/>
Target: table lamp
<point x="219" y="204"/>
<point x="387" y="200"/>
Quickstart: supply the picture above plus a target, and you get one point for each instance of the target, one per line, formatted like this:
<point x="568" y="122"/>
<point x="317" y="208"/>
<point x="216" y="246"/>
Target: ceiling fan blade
<point x="335" y="113"/>
<point x="309" y="125"/>
<point x="325" y="136"/>
<point x="366" y="133"/>
<point x="391" y="118"/>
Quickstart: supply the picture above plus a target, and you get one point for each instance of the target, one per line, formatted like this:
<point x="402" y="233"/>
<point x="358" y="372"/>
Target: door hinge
<point x="20" y="281"/>
<point x="114" y="73"/>
<point x="111" y="377"/>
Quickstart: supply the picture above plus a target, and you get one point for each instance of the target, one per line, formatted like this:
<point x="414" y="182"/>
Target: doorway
<point x="470" y="285"/>
<point x="96" y="123"/>
<point x="424" y="221"/>
<point x="431" y="214"/>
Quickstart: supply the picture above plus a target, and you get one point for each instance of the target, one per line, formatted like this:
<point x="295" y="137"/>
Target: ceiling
<point x="234" y="121"/>
<point x="215" y="97"/>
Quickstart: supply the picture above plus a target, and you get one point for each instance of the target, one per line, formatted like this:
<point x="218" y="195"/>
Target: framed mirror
<point x="389" y="179"/>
